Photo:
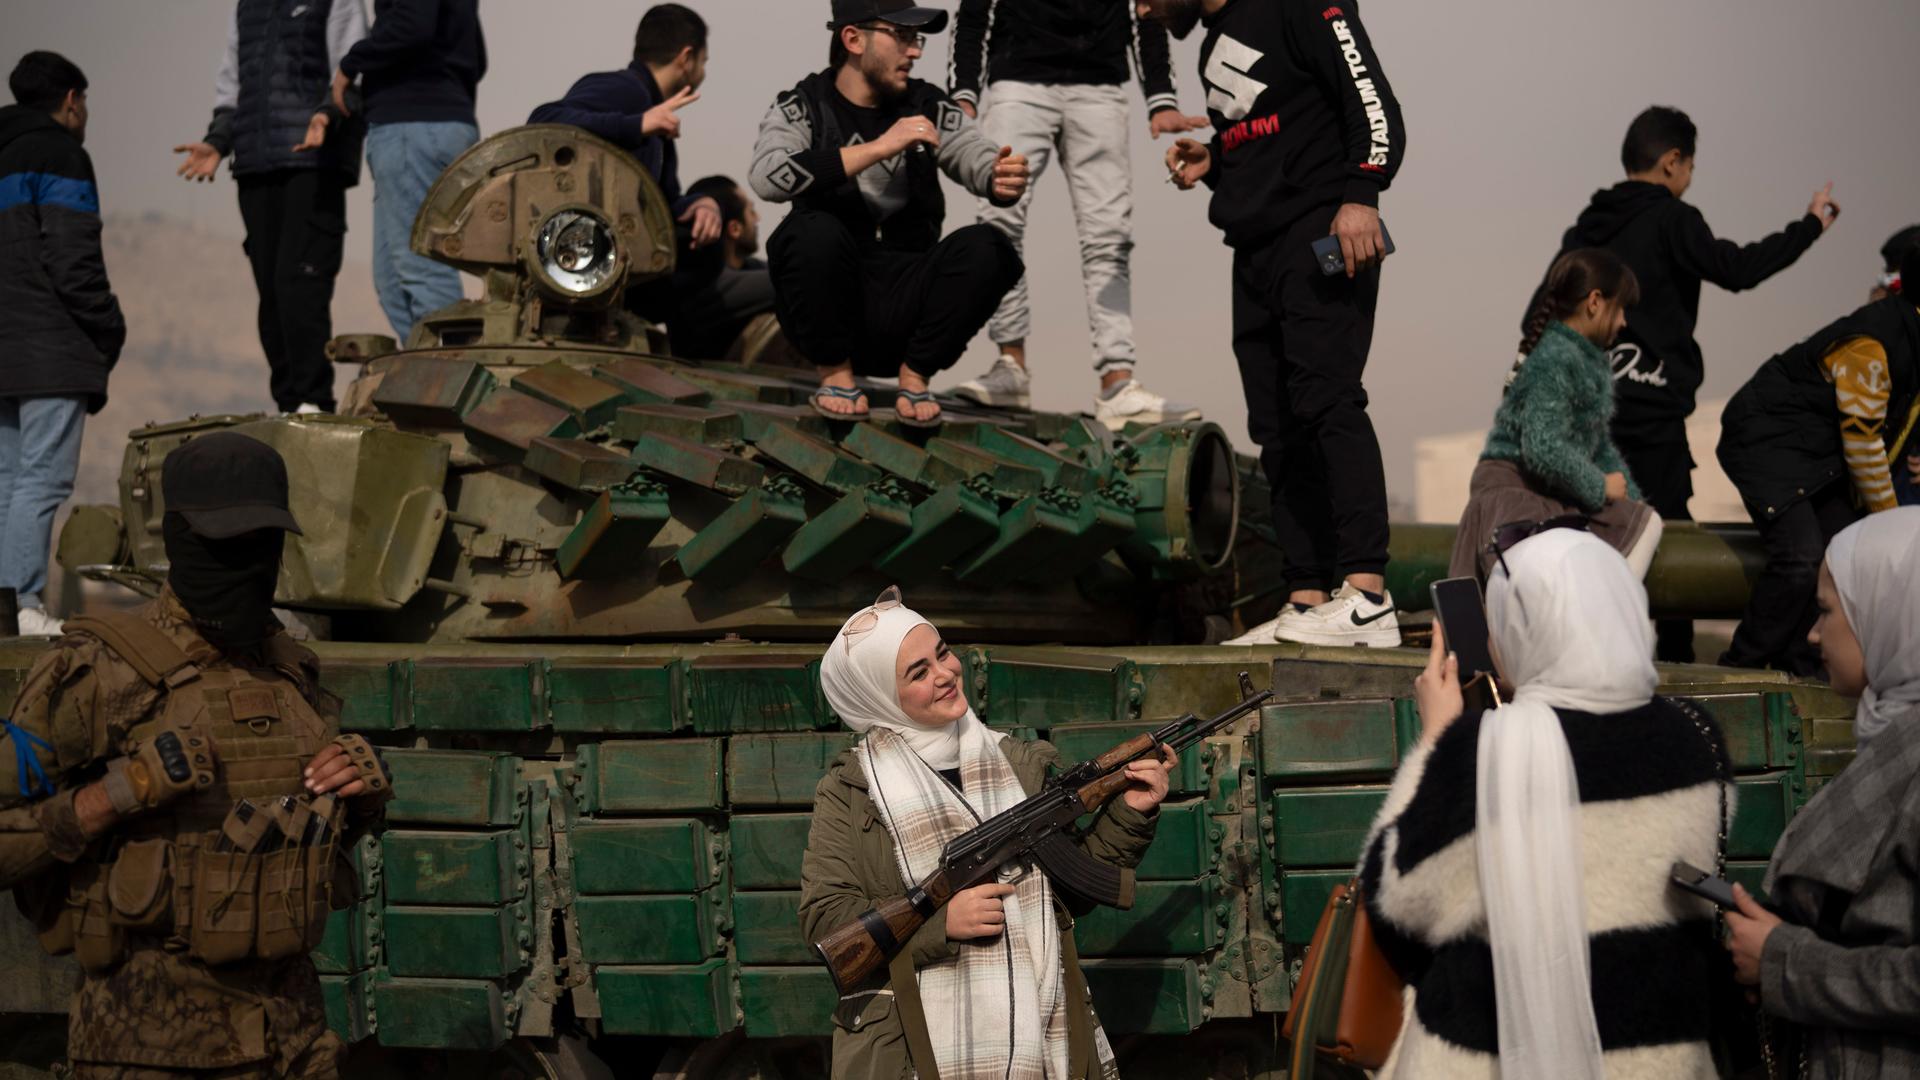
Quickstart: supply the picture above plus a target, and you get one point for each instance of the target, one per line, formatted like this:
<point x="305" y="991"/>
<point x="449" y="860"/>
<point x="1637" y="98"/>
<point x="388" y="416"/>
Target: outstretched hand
<point x="202" y="161"/>
<point x="1824" y="208"/>
<point x="1172" y="122"/>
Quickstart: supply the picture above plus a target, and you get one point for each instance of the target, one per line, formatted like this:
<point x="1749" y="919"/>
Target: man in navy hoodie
<point x="638" y="107"/>
<point x="58" y="316"/>
<point x="1657" y="366"/>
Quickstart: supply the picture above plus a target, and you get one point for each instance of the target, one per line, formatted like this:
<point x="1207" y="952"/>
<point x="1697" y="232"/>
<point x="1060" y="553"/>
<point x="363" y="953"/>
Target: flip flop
<point x="840" y="393"/>
<point x="917" y="397"/>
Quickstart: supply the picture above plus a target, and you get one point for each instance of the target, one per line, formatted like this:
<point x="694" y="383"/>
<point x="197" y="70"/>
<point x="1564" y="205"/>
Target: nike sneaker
<point x="1263" y="633"/>
<point x="1006" y="385"/>
<point x="1347" y="619"/>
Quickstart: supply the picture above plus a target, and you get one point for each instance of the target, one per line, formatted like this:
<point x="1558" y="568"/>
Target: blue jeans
<point x="405" y="160"/>
<point x="39" y="455"/>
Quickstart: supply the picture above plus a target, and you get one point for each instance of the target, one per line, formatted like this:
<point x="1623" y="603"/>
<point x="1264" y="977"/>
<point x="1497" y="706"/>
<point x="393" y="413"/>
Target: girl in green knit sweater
<point x="1550" y="452"/>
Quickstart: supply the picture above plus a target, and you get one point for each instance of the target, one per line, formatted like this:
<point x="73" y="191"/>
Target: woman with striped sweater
<point x="1517" y="876"/>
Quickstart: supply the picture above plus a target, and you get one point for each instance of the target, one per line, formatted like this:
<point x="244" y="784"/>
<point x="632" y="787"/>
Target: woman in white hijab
<point x="1517" y="875"/>
<point x="1845" y="963"/>
<point x="990" y="986"/>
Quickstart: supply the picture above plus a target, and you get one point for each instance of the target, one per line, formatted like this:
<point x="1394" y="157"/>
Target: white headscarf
<point x="1876" y="569"/>
<point x="858" y="676"/>
<point x="1571" y="628"/>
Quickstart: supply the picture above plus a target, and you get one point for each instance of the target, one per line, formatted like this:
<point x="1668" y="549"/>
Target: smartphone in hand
<point x="1327" y="253"/>
<point x="1692" y="879"/>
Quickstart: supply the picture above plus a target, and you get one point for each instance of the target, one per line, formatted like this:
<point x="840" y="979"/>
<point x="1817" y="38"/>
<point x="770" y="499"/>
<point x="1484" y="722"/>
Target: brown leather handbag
<point x="1347" y="1005"/>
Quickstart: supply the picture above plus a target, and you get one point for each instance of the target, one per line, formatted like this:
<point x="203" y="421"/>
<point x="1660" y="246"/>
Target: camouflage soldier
<point x="182" y="797"/>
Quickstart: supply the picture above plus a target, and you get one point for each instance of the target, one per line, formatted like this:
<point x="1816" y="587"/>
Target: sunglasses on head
<point x="863" y="622"/>
<point x="1505" y="536"/>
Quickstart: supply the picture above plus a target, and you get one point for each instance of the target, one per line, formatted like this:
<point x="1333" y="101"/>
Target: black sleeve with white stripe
<point x="967" y="65"/>
<point x="1153" y="61"/>
<point x="1334" y="43"/>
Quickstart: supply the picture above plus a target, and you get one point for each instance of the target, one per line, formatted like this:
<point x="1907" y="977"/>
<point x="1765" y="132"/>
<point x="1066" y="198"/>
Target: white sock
<point x="1640" y="556"/>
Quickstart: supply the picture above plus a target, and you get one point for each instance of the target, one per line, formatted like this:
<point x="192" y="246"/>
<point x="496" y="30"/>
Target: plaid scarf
<point x="998" y="1008"/>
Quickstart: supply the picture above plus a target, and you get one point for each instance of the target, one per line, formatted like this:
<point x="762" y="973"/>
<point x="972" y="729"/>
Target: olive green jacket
<point x="849" y="866"/>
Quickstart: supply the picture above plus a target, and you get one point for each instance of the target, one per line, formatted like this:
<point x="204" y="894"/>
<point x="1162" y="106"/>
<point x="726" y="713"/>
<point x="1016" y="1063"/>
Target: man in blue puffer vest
<point x="278" y="70"/>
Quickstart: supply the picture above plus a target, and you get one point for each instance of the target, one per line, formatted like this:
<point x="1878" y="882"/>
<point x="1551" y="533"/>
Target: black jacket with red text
<point x="1302" y="114"/>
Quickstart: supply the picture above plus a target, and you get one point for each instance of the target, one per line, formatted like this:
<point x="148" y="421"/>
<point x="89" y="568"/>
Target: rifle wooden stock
<point x="1094" y="795"/>
<point x="864" y="945"/>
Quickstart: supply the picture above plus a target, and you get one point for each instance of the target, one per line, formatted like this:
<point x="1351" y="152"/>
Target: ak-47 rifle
<point x="1038" y="830"/>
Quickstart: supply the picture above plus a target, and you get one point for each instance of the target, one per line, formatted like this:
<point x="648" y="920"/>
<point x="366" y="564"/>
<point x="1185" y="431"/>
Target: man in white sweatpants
<point x="1054" y="74"/>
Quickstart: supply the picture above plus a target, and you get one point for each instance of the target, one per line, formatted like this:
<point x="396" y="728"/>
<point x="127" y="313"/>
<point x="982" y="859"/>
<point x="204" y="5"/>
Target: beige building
<point x="1443" y="465"/>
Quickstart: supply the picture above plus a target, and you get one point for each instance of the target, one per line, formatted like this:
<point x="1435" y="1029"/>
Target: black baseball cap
<point x="225" y="484"/>
<point x="897" y="12"/>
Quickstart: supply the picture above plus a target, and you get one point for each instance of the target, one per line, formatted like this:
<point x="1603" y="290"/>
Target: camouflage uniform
<point x="153" y="1008"/>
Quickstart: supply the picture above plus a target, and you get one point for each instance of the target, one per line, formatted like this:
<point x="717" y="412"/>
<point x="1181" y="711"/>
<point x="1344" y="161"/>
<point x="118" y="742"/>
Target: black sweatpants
<point x="296" y="223"/>
<point x="1781" y="608"/>
<point x="1301" y="339"/>
<point x="839" y="299"/>
<point x="1663" y="467"/>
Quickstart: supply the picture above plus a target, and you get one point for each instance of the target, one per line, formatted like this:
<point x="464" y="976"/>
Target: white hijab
<point x="1876" y="569"/>
<point x="857" y="674"/>
<point x="1572" y="633"/>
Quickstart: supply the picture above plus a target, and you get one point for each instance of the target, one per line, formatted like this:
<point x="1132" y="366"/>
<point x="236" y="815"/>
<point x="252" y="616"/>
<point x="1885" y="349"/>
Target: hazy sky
<point x="1514" y="113"/>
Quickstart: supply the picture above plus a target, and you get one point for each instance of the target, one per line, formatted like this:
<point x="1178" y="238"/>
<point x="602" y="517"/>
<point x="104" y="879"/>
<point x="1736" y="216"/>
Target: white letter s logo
<point x="1232" y="91"/>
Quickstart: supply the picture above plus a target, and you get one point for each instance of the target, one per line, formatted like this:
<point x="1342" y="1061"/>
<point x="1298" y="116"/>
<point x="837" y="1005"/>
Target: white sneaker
<point x="1005" y="385"/>
<point x="1263" y="633"/>
<point x="309" y="409"/>
<point x="1132" y="403"/>
<point x="1347" y="619"/>
<point x="35" y="622"/>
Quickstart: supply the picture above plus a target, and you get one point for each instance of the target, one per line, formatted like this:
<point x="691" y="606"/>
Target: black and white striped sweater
<point x="1649" y="795"/>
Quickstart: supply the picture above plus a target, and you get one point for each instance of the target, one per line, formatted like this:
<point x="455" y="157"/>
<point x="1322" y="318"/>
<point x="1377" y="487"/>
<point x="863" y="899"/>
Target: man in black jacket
<point x="1807" y="442"/>
<point x="1307" y="136"/>
<point x="277" y="71"/>
<point x="863" y="281"/>
<point x="58" y="317"/>
<point x="1657" y="366"/>
<point x="1053" y="74"/>
<point x="418" y="69"/>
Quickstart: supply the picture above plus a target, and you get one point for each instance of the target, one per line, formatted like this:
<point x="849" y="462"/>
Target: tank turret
<point x="532" y="466"/>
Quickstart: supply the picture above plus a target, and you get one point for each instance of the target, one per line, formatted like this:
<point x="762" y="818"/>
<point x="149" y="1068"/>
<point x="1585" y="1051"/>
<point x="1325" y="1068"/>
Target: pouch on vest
<point x="139" y="885"/>
<point x="295" y="888"/>
<point x="225" y="892"/>
<point x="99" y="944"/>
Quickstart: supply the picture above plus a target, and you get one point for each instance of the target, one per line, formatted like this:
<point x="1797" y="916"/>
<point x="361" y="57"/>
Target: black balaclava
<point x="226" y="585"/>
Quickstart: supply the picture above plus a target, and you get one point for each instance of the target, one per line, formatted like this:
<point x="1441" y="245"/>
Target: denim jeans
<point x="39" y="455"/>
<point x="405" y="159"/>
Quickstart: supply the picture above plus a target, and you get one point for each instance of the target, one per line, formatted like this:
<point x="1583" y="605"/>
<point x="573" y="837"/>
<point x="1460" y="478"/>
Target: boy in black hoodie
<point x="1657" y="366"/>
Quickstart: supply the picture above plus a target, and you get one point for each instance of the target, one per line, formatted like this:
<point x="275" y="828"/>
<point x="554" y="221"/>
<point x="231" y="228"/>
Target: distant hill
<point x="192" y="346"/>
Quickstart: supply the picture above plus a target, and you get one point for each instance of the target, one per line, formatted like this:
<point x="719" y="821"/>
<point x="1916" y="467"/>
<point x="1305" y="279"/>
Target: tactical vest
<point x="162" y="875"/>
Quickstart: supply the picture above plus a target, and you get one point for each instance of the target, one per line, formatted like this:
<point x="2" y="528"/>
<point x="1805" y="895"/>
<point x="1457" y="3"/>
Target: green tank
<point x="578" y="590"/>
